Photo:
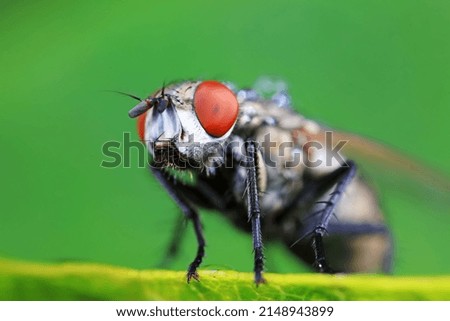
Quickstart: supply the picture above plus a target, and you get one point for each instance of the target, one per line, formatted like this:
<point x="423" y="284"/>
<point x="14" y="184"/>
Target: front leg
<point x="253" y="210"/>
<point x="190" y="214"/>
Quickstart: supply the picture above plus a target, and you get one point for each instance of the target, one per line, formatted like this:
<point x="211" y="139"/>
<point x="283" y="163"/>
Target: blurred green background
<point x="377" y="68"/>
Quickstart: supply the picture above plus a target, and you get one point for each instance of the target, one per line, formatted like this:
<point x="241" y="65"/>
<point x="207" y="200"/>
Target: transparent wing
<point x="390" y="167"/>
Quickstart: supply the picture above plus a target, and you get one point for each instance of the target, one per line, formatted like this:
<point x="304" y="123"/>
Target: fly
<point x="269" y="170"/>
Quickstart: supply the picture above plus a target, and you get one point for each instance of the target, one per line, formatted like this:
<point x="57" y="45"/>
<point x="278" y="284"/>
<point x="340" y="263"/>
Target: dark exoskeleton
<point x="268" y="170"/>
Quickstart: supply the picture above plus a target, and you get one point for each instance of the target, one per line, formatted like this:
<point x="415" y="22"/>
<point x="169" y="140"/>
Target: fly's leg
<point x="359" y="241"/>
<point x="190" y="214"/>
<point x="357" y="229"/>
<point x="320" y="228"/>
<point x="200" y="194"/>
<point x="320" y="262"/>
<point x="174" y="244"/>
<point x="253" y="211"/>
<point x="192" y="270"/>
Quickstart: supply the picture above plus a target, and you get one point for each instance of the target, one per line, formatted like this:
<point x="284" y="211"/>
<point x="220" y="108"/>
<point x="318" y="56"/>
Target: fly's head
<point x="187" y="122"/>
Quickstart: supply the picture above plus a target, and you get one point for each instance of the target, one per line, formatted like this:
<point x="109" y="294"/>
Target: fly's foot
<point x="322" y="267"/>
<point x="320" y="263"/>
<point x="259" y="266"/>
<point x="192" y="270"/>
<point x="259" y="279"/>
<point x="192" y="274"/>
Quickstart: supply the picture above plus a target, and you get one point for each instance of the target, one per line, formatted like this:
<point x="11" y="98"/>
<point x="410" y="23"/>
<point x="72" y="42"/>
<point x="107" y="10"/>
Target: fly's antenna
<point x="125" y="94"/>
<point x="140" y="108"/>
<point x="162" y="102"/>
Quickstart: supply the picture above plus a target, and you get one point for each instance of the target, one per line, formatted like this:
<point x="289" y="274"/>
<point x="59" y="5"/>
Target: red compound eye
<point x="216" y="107"/>
<point x="141" y="126"/>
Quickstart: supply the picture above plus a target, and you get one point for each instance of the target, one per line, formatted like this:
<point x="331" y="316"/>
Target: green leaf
<point x="82" y="281"/>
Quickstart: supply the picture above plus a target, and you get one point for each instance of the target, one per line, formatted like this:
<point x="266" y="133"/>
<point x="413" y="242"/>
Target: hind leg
<point x="351" y="248"/>
<point x="344" y="227"/>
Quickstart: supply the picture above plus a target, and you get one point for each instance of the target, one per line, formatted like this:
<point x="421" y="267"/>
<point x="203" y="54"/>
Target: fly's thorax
<point x="256" y="113"/>
<point x="281" y="134"/>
